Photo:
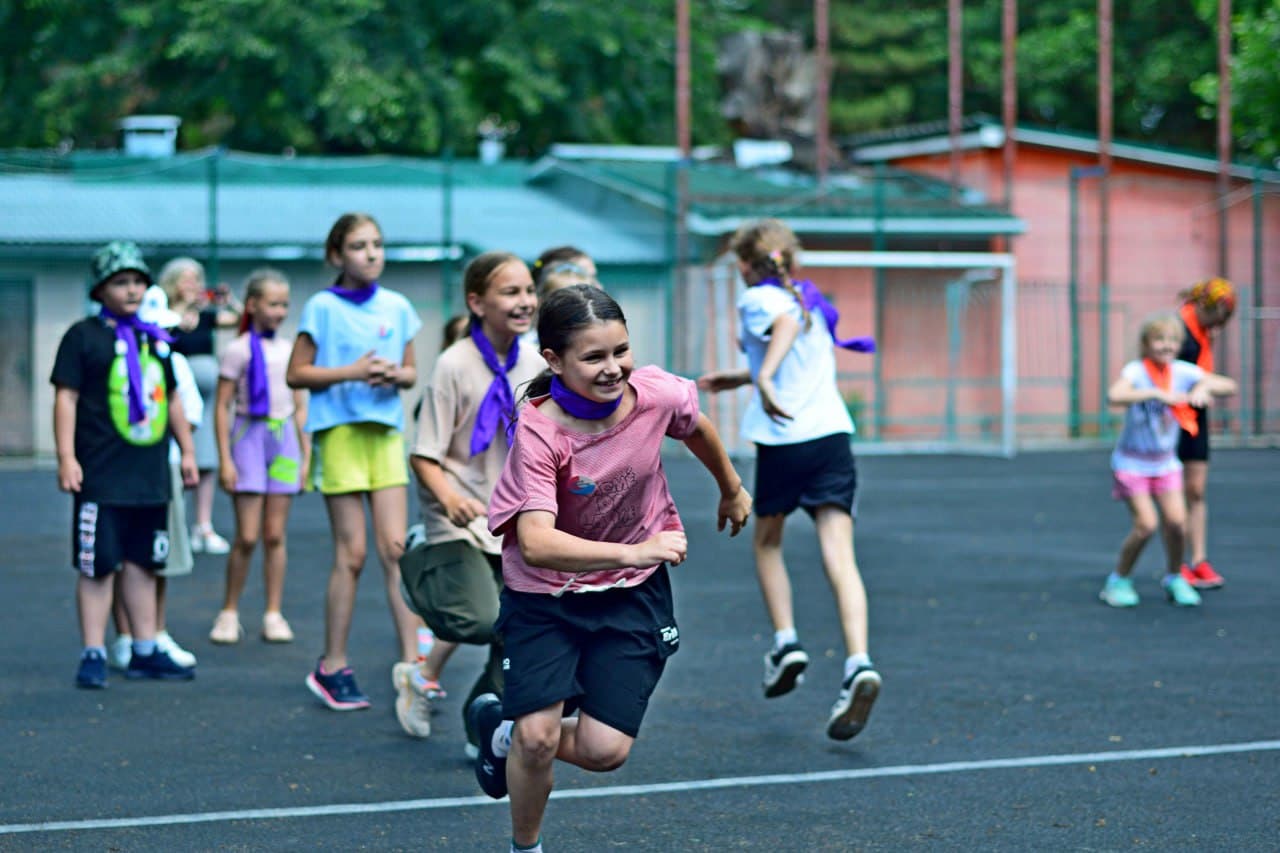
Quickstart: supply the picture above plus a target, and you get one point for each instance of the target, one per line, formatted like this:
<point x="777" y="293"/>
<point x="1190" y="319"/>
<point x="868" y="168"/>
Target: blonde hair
<point x="1159" y="323"/>
<point x="254" y="286"/>
<point x="769" y="248"/>
<point x="174" y="270"/>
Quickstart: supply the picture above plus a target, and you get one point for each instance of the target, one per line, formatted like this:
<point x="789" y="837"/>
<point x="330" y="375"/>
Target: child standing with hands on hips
<point x="589" y="529"/>
<point x="354" y="352"/>
<point x="114" y="410"/>
<point x="1159" y="392"/>
<point x="801" y="429"/>
<point x="262" y="454"/>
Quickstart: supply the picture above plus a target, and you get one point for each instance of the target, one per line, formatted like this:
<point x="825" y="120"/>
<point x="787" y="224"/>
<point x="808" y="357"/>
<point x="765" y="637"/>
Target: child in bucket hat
<point x="114" y="412"/>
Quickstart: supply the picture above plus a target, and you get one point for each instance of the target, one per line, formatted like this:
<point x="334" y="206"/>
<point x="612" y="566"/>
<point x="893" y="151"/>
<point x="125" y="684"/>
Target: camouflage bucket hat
<point x="116" y="256"/>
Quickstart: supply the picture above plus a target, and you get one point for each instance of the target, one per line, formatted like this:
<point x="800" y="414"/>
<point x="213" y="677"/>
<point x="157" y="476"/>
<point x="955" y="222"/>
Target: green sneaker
<point x="1119" y="592"/>
<point x="1180" y="592"/>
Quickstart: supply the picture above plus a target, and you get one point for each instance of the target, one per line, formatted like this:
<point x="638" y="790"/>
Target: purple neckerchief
<point x="127" y="328"/>
<point x="812" y="298"/>
<point x="359" y="296"/>
<point x="578" y="405"/>
<point x="259" y="389"/>
<point x="499" y="402"/>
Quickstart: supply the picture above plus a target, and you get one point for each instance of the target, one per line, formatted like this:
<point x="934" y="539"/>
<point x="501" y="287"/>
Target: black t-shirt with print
<point x="123" y="464"/>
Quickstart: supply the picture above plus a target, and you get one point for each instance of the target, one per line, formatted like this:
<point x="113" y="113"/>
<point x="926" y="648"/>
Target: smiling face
<point x="269" y="308"/>
<point x="507" y="305"/>
<point x="597" y="362"/>
<point x="122" y="293"/>
<point x="1160" y="343"/>
<point x="361" y="257"/>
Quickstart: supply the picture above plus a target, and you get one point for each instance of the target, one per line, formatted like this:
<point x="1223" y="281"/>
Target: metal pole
<point x="1224" y="129"/>
<point x="955" y="85"/>
<point x="822" y="39"/>
<point x="1009" y="99"/>
<point x="878" y="244"/>
<point x="1105" y="33"/>
<point x="213" y="271"/>
<point x="1073" y="296"/>
<point x="684" y="142"/>
<point x="1258" y="243"/>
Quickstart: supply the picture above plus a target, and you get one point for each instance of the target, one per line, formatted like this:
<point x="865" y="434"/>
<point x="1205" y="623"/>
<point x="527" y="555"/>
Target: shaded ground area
<point x="983" y="576"/>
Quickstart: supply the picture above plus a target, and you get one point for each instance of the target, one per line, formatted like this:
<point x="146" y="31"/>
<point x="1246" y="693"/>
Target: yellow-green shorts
<point x="360" y="457"/>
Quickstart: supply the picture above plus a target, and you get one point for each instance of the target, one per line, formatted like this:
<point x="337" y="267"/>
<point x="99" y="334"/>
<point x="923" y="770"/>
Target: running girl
<point x="589" y="529"/>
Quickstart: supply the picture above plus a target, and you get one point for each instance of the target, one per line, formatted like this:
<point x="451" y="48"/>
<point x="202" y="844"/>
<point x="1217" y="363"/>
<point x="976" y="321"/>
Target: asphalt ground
<point x="1018" y="713"/>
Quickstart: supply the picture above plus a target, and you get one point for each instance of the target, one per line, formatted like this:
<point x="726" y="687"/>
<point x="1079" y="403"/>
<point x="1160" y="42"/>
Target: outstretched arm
<point x="1211" y="385"/>
<point x="735" y="502"/>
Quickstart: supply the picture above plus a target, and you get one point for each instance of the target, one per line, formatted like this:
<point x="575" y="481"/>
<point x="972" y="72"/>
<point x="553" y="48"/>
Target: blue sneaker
<point x="485" y="715"/>
<point x="92" y="673"/>
<point x="1180" y="592"/>
<point x="338" y="689"/>
<point x="158" y="666"/>
<point x="1119" y="592"/>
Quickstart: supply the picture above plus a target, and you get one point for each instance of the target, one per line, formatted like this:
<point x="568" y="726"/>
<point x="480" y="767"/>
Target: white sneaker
<point x="176" y="653"/>
<point x="413" y="709"/>
<point x="204" y="540"/>
<point x="120" y="652"/>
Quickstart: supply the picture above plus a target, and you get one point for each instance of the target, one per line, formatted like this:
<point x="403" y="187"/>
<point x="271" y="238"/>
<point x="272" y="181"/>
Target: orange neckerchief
<point x="1162" y="377"/>
<point x="1192" y="319"/>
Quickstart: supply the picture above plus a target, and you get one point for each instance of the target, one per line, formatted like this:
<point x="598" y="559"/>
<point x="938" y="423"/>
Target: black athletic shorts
<point x="598" y="652"/>
<point x="103" y="537"/>
<point x="810" y="474"/>
<point x="1195" y="448"/>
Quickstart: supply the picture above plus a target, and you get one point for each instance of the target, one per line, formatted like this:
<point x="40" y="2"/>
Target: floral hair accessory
<point x="1212" y="293"/>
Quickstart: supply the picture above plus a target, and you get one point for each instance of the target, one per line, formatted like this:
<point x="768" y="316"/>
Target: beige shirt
<point x="450" y="402"/>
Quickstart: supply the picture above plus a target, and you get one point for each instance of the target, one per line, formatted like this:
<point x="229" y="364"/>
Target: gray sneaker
<point x="857" y="695"/>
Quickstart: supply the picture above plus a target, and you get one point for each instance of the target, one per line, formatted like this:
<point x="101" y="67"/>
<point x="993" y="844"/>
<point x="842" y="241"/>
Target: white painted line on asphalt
<point x="1030" y="761"/>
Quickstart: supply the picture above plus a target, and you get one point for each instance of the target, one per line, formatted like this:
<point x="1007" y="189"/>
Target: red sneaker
<point x="1203" y="576"/>
<point x="1188" y="575"/>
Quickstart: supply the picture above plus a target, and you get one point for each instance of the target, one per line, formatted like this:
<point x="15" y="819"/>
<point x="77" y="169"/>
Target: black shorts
<point x="103" y="537"/>
<point x="810" y="474"/>
<point x="1195" y="448"/>
<point x="598" y="652"/>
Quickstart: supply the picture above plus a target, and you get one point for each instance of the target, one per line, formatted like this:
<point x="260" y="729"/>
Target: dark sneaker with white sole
<point x="857" y="695"/>
<point x="784" y="669"/>
<point x="158" y="666"/>
<point x="338" y="689"/>
<point x="92" y="672"/>
<point x="485" y="715"/>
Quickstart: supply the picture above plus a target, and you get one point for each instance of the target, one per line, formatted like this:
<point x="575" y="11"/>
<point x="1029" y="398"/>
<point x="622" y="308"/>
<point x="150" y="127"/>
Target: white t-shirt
<point x="806" y="378"/>
<point x="1149" y="440"/>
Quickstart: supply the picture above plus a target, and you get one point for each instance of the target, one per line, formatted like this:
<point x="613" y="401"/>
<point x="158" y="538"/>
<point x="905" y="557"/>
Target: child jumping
<point x="1159" y="392"/>
<point x="354" y="352"/>
<point x="461" y="446"/>
<point x="113" y="413"/>
<point x="801" y="429"/>
<point x="589" y="529"/>
<point x="262" y="454"/>
<point x="1206" y="308"/>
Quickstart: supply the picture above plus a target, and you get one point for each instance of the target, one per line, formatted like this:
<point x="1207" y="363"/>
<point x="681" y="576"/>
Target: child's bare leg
<point x="537" y="740"/>
<point x="346" y="520"/>
<point x="390" y="520"/>
<point x="205" y="489"/>
<point x="1195" y="477"/>
<point x="118" y="613"/>
<point x="771" y="570"/>
<point x="1143" y="511"/>
<point x="138" y="588"/>
<point x="162" y="585"/>
<point x="1173" y="515"/>
<point x="93" y="604"/>
<point x="439" y="655"/>
<point x="835" y="536"/>
<point x="274" y="556"/>
<point x="248" y="509"/>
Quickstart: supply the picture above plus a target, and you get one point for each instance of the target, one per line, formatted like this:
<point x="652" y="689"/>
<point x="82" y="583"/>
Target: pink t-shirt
<point x="606" y="487"/>
<point x="235" y="366"/>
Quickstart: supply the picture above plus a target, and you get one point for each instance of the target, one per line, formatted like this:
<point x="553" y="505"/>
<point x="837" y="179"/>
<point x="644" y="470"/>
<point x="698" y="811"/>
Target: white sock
<point x="536" y="848"/>
<point x="852" y="663"/>
<point x="501" y="742"/>
<point x="786" y="635"/>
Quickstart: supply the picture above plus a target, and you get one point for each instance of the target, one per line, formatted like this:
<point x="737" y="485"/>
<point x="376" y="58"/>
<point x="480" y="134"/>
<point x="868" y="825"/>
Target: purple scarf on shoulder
<point x="499" y="403"/>
<point x="812" y="299"/>
<point x="259" y="386"/>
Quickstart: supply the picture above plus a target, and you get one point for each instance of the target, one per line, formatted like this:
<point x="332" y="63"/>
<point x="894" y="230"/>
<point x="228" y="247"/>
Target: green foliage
<point x="418" y="76"/>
